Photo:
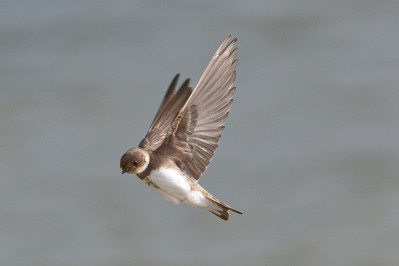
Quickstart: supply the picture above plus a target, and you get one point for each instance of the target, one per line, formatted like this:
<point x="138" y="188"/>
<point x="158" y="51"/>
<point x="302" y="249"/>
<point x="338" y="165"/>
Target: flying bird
<point x="185" y="133"/>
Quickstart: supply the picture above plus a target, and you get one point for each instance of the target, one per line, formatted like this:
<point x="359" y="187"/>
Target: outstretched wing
<point x="198" y="126"/>
<point x="171" y="105"/>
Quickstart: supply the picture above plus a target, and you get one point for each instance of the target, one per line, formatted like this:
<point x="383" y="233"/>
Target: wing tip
<point x="226" y="44"/>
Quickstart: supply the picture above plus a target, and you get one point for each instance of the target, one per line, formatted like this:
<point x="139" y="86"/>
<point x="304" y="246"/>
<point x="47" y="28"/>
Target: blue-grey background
<point x="310" y="153"/>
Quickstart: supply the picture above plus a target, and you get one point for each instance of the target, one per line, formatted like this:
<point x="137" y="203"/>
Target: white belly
<point x="174" y="187"/>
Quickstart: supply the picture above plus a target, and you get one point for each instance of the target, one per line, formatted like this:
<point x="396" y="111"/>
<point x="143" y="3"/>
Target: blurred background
<point x="310" y="153"/>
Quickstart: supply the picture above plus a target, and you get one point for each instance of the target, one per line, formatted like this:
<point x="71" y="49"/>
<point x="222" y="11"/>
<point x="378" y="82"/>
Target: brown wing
<point x="198" y="126"/>
<point x="170" y="107"/>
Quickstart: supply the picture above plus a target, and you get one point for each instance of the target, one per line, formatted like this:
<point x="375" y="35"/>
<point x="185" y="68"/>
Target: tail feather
<point x="222" y="209"/>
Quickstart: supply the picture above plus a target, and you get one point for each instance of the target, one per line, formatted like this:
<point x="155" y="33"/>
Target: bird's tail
<point x="219" y="208"/>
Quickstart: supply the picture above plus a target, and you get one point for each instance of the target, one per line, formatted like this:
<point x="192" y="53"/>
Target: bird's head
<point x="135" y="161"/>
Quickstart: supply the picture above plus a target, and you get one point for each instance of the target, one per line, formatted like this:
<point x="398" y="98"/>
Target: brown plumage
<point x="187" y="127"/>
<point x="206" y="109"/>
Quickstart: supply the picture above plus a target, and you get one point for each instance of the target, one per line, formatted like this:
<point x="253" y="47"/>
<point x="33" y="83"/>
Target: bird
<point x="185" y="134"/>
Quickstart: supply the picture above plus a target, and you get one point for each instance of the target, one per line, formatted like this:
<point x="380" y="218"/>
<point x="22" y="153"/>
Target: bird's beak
<point x="123" y="171"/>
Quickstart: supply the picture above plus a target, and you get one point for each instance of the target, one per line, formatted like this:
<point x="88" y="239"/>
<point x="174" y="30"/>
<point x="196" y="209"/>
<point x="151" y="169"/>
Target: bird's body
<point x="174" y="186"/>
<point x="184" y="136"/>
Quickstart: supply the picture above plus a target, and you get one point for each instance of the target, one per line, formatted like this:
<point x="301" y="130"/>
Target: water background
<point x="310" y="153"/>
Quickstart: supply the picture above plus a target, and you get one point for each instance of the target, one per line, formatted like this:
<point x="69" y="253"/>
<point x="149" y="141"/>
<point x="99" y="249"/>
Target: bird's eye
<point x="135" y="163"/>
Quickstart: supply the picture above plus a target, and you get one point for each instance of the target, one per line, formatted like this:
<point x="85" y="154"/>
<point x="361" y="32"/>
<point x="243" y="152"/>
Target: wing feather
<point x="170" y="107"/>
<point x="191" y="124"/>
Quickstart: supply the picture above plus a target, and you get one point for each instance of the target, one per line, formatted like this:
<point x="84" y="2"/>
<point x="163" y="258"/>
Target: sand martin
<point x="185" y="133"/>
